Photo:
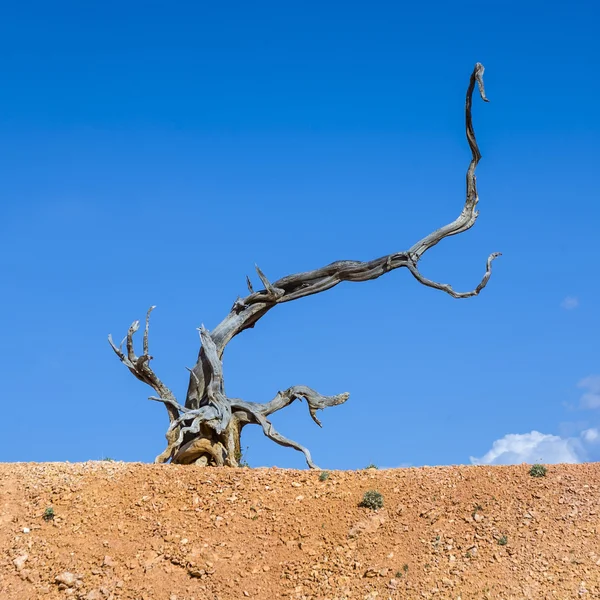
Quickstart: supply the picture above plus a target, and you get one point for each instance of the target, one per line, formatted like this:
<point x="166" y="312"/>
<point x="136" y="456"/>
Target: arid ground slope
<point x="164" y="532"/>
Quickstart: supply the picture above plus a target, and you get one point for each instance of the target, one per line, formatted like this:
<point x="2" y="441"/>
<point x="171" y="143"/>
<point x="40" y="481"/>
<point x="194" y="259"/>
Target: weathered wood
<point x="206" y="430"/>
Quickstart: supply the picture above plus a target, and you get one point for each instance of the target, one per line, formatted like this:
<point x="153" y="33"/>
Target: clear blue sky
<point x="152" y="153"/>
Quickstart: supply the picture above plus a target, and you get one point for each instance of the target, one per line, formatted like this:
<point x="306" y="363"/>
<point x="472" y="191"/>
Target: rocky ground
<point x="163" y="532"/>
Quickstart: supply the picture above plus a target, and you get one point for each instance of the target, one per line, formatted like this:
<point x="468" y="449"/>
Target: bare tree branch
<point x="468" y="216"/>
<point x="204" y="428"/>
<point x="445" y="287"/>
<point x="247" y="311"/>
<point x="140" y="368"/>
<point x="315" y="401"/>
<point x="256" y="415"/>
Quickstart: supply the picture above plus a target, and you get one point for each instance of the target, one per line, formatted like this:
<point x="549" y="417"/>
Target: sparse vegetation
<point x="405" y="568"/>
<point x="108" y="459"/>
<point x="372" y="499"/>
<point x="502" y="541"/>
<point x="538" y="470"/>
<point x="324" y="476"/>
<point x="398" y="574"/>
<point x="372" y="466"/>
<point x="239" y="457"/>
<point x="48" y="514"/>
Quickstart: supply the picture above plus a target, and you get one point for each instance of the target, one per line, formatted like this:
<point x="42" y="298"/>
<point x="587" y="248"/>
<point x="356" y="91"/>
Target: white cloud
<point x="570" y="302"/>
<point x="534" y="447"/>
<point x="591" y="396"/>
<point x="591" y="435"/>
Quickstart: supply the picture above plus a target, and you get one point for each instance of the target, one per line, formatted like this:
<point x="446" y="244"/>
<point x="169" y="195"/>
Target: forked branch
<point x="140" y="365"/>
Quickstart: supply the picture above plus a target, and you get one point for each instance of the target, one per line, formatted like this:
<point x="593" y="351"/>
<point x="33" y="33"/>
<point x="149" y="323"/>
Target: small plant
<point x="108" y="459"/>
<point x="538" y="471"/>
<point x="372" y="466"/>
<point x="398" y="574"/>
<point x="372" y="499"/>
<point x="239" y="457"/>
<point x="502" y="541"/>
<point x="324" y="476"/>
<point x="48" y="514"/>
<point x="405" y="568"/>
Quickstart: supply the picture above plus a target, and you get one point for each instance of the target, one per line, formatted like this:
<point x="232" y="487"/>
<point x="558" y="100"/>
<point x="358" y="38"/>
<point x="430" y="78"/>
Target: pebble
<point x="66" y="578"/>
<point x="20" y="561"/>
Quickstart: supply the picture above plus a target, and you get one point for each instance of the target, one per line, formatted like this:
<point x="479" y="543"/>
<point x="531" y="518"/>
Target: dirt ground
<point x="163" y="532"/>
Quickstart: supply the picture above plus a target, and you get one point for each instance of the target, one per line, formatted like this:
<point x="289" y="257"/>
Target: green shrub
<point x="538" y="471"/>
<point x="372" y="499"/>
<point x="503" y="541"/>
<point x="324" y="476"/>
<point x="48" y="514"/>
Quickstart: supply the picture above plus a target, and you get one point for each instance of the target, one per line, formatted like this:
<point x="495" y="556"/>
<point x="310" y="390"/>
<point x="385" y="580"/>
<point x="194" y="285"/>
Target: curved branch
<point x="247" y="311"/>
<point x="445" y="287"/>
<point x="315" y="401"/>
<point x="468" y="215"/>
<point x="256" y="415"/>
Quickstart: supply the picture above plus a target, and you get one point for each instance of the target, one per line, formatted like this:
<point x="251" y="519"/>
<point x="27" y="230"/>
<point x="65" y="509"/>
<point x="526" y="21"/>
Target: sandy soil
<point x="156" y="532"/>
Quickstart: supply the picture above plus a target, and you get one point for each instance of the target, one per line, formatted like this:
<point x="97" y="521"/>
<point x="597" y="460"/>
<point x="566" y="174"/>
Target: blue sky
<point x="152" y="153"/>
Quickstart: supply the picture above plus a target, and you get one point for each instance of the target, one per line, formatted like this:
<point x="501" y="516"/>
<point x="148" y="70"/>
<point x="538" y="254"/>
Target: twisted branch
<point x="206" y="403"/>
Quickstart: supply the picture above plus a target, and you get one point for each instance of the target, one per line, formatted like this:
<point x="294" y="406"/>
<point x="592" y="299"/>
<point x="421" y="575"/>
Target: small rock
<point x="108" y="562"/>
<point x="93" y="595"/>
<point x="66" y="578"/>
<point x="20" y="561"/>
<point x="26" y="530"/>
<point x="195" y="572"/>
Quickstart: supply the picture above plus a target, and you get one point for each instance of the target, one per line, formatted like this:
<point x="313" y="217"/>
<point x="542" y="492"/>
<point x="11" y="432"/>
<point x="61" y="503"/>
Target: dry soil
<point x="163" y="532"/>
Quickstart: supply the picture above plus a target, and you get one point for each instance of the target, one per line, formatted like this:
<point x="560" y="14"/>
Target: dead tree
<point x="206" y="429"/>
